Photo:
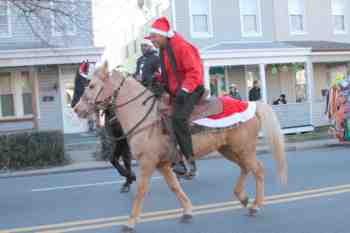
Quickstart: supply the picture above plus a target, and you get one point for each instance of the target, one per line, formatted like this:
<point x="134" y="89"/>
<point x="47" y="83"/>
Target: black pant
<point x="183" y="108"/>
<point x="121" y="148"/>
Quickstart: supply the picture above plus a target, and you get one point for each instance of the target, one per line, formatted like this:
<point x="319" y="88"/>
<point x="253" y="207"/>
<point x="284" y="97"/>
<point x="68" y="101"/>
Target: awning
<point x="49" y="56"/>
<point x="250" y="53"/>
<point x="275" y="52"/>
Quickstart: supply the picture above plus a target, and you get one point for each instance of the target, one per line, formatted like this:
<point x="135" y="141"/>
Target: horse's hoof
<point x="186" y="218"/>
<point x="127" y="229"/>
<point x="125" y="188"/>
<point x="245" y="202"/>
<point x="253" y="212"/>
<point x="133" y="178"/>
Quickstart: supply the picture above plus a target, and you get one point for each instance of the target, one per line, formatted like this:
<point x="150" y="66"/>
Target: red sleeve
<point x="192" y="67"/>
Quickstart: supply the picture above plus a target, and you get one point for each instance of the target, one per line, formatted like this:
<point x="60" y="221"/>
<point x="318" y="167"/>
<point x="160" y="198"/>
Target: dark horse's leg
<point x="121" y="149"/>
<point x="126" y="157"/>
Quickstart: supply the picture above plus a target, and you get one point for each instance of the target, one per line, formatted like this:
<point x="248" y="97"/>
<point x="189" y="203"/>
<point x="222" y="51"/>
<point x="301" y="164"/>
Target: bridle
<point x="111" y="103"/>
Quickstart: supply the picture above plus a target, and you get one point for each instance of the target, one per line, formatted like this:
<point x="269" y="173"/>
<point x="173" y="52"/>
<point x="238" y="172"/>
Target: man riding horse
<point x="182" y="76"/>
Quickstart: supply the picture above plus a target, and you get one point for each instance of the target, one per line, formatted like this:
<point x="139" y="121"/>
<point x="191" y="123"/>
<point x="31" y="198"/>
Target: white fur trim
<point x="171" y="33"/>
<point x="235" y="118"/>
<point x="86" y="76"/>
<point x="168" y="34"/>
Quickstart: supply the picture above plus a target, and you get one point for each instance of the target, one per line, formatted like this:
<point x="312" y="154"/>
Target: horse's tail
<point x="272" y="129"/>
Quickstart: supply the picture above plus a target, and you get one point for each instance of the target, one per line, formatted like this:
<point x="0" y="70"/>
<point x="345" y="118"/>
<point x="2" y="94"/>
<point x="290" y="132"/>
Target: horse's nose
<point x="75" y="109"/>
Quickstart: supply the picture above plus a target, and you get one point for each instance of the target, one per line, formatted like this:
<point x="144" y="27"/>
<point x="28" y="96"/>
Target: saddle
<point x="206" y="107"/>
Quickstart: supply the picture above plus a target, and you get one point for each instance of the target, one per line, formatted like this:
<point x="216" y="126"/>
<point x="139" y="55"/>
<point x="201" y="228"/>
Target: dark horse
<point x="113" y="131"/>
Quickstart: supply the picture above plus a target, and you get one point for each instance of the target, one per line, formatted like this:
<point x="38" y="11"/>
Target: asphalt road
<point x="316" y="200"/>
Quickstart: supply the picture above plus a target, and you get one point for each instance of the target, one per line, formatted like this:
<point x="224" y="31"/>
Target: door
<point x="71" y="122"/>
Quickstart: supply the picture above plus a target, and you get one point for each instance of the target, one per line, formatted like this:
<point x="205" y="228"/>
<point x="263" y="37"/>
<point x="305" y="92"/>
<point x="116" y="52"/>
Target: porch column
<point x="35" y="94"/>
<point x="263" y="82"/>
<point x="309" y="73"/>
<point x="207" y="78"/>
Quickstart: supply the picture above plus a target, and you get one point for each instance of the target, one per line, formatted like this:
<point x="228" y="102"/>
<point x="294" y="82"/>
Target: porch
<point x="35" y="85"/>
<point x="302" y="72"/>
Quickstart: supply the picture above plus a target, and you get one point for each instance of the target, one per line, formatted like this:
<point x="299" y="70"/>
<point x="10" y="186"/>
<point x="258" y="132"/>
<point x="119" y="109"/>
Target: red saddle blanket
<point x="234" y="111"/>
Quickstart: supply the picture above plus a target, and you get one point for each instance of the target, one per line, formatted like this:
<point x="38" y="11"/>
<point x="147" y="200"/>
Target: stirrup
<point x="180" y="168"/>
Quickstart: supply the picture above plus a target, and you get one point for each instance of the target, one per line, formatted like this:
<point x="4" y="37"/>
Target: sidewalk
<point x="90" y="142"/>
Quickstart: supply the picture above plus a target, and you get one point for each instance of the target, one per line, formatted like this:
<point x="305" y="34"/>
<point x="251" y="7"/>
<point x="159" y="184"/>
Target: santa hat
<point x="84" y="69"/>
<point x="161" y="27"/>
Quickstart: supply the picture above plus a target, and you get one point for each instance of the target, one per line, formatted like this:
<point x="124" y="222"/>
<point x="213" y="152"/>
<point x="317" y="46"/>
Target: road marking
<point x="178" y="215"/>
<point x="82" y="186"/>
<point x="175" y="213"/>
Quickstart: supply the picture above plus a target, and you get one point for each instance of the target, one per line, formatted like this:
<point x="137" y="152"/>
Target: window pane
<point x="301" y="86"/>
<point x="26" y="82"/>
<point x="248" y="7"/>
<point x="200" y="23"/>
<point x="7" y="105"/>
<point x="338" y="23"/>
<point x="296" y="7"/>
<point x="250" y="24"/>
<point x="27" y="103"/>
<point x="5" y="83"/>
<point x="338" y="7"/>
<point x="200" y="7"/>
<point x="297" y="23"/>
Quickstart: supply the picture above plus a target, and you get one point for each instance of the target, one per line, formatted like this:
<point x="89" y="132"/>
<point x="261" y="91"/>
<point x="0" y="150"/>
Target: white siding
<point x="50" y="111"/>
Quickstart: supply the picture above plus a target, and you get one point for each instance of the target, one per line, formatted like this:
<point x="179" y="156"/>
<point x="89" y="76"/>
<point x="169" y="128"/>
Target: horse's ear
<point x="103" y="71"/>
<point x="105" y="67"/>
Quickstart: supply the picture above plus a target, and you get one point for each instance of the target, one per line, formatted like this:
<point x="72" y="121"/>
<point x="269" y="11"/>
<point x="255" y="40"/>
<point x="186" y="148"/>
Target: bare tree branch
<point x="60" y="17"/>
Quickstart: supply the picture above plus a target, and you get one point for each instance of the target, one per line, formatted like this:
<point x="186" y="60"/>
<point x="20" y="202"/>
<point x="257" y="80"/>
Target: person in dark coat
<point x="254" y="93"/>
<point x="148" y="64"/>
<point x="234" y="93"/>
<point x="280" y="100"/>
<point x="80" y="82"/>
<point x="113" y="130"/>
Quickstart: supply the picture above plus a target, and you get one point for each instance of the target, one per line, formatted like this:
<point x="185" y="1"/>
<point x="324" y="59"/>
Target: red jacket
<point x="188" y="65"/>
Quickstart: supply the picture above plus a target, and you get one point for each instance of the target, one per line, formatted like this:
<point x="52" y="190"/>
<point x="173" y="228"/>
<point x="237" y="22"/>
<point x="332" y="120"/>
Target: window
<point x="200" y="18"/>
<point x="135" y="46"/>
<point x="338" y="15"/>
<point x="26" y="88"/>
<point x="7" y="106"/>
<point x="4" y="18"/>
<point x="64" y="20"/>
<point x="16" y="98"/>
<point x="250" y="17"/>
<point x="126" y="51"/>
<point x="158" y="9"/>
<point x="301" y="86"/>
<point x="296" y="16"/>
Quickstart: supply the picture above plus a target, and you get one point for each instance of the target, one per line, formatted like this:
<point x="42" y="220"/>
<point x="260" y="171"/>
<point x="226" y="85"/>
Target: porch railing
<point x="293" y="115"/>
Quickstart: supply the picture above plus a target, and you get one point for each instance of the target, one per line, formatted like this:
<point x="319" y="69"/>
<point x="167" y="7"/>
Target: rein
<point x="132" y="130"/>
<point x="114" y="106"/>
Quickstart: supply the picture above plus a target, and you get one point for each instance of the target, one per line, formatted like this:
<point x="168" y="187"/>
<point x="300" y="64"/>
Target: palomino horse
<point x="149" y="144"/>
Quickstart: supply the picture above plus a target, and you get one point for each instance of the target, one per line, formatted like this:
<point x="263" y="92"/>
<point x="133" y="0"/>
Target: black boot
<point x="193" y="168"/>
<point x="180" y="168"/>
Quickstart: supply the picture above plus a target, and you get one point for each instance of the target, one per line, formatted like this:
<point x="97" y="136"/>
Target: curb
<point x="263" y="150"/>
